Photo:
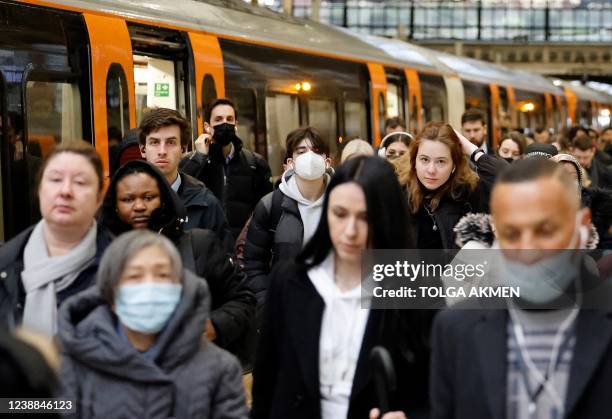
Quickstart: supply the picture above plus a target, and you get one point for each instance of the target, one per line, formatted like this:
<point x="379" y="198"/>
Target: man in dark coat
<point x="585" y="151"/>
<point x="164" y="135"/>
<point x="547" y="354"/>
<point x="238" y="177"/>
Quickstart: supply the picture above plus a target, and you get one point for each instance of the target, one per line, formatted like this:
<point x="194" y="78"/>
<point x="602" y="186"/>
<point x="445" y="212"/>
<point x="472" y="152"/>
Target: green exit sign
<point x="162" y="90"/>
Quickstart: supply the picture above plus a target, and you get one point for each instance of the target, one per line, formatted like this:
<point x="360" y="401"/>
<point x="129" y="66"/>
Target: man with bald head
<point x="545" y="354"/>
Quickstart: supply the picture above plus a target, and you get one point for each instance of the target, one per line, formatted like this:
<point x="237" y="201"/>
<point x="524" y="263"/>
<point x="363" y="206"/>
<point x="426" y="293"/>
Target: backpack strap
<point x="250" y="158"/>
<point x="273" y="203"/>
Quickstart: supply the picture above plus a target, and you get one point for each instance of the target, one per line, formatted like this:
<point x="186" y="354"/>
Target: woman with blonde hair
<point x="440" y="184"/>
<point x="356" y="147"/>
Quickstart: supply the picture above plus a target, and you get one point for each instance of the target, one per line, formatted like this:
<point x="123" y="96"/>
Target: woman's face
<point x="434" y="164"/>
<point x="69" y="191"/>
<point x="348" y="221"/>
<point x="395" y="150"/>
<point x="509" y="149"/>
<point x="137" y="196"/>
<point x="150" y="264"/>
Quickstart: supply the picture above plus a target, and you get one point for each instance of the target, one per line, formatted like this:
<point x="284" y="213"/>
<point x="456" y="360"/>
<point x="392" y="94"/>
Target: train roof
<point x="586" y="93"/>
<point x="236" y="19"/>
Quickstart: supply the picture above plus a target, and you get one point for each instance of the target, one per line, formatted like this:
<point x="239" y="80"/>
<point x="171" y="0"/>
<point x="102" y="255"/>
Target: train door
<point x="433" y="97"/>
<point x="456" y="100"/>
<point x="161" y="70"/>
<point x="112" y="85"/>
<point x="495" y="111"/>
<point x="208" y="72"/>
<point x="512" y="110"/>
<point x="415" y="103"/>
<point x="44" y="65"/>
<point x="572" y="103"/>
<point x="378" y="100"/>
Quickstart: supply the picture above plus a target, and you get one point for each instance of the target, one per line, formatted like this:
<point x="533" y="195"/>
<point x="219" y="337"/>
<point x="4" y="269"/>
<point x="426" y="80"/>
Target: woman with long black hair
<point x="314" y="351"/>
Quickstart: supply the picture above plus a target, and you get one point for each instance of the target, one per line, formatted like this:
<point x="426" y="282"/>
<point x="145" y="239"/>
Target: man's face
<point x="221" y="114"/>
<point x="538" y="214"/>
<point x="585" y="157"/>
<point x="475" y="131"/>
<point x="163" y="149"/>
<point x="397" y="128"/>
<point x="542" y="137"/>
<point x="606" y="137"/>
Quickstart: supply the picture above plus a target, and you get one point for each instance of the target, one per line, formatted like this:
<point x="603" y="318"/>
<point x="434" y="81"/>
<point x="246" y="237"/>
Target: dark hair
<point x="319" y="145"/>
<point x="518" y="138"/>
<point x="164" y="117"/>
<point x="219" y="102"/>
<point x="163" y="219"/>
<point x="387" y="209"/>
<point x="81" y="148"/>
<point x="573" y="131"/>
<point x="583" y="142"/>
<point x="395" y="137"/>
<point x="527" y="170"/>
<point x="606" y="129"/>
<point x="473" y="115"/>
<point x="540" y="129"/>
<point x="394" y="122"/>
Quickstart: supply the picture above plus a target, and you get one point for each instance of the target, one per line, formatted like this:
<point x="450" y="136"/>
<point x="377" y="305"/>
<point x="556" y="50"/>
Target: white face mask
<point x="309" y="166"/>
<point x="549" y="278"/>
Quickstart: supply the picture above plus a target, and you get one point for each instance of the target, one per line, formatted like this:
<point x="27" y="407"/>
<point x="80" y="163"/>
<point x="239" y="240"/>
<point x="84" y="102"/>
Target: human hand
<point x="466" y="145"/>
<point x="375" y="414"/>
<point x="202" y="144"/>
<point x="210" y="331"/>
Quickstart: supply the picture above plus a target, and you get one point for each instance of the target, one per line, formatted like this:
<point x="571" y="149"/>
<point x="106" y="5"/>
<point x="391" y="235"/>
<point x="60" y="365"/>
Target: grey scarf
<point x="43" y="276"/>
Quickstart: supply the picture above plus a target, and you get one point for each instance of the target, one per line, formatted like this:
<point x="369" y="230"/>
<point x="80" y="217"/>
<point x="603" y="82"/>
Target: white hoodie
<point x="310" y="211"/>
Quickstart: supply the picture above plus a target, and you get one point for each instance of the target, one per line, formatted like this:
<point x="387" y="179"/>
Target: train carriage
<point x="90" y="69"/>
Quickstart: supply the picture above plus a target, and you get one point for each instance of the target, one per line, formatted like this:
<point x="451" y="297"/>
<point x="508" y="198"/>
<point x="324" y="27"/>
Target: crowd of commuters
<point x="196" y="286"/>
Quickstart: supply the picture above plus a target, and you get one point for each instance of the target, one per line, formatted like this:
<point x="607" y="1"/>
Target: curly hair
<point x="462" y="180"/>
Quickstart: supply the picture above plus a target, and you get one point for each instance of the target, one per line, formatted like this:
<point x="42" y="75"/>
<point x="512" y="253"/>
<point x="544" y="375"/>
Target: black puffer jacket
<point x="450" y="211"/>
<point x="232" y="302"/>
<point x="268" y="243"/>
<point x="239" y="184"/>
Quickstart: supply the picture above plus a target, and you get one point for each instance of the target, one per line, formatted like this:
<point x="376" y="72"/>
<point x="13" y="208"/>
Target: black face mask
<point x="224" y="133"/>
<point x="509" y="159"/>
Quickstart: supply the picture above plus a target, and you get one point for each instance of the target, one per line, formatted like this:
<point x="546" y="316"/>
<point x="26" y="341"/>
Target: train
<point x="90" y="69"/>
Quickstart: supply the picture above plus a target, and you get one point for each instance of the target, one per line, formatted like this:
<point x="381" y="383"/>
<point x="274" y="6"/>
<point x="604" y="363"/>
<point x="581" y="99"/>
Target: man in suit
<point x="474" y="127"/>
<point x="548" y="354"/>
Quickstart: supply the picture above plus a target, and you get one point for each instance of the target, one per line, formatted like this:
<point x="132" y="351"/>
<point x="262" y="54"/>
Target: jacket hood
<point x="88" y="334"/>
<point x="289" y="187"/>
<point x="168" y="219"/>
<point x="477" y="229"/>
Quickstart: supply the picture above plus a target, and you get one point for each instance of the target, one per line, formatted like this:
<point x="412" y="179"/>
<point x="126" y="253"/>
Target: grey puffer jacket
<point x="186" y="377"/>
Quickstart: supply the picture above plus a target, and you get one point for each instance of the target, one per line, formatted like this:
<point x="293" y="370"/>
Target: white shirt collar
<point x="177" y="183"/>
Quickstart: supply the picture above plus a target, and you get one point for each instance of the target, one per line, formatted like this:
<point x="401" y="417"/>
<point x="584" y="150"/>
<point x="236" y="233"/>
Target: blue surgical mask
<point x="549" y="278"/>
<point x="146" y="307"/>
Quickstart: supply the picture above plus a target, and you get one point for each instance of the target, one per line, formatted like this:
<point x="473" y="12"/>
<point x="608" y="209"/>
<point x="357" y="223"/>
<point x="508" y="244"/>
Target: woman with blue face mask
<point x="133" y="345"/>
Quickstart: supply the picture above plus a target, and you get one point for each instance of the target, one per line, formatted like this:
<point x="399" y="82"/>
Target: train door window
<point x="396" y="97"/>
<point x="478" y="96"/>
<point x="531" y="111"/>
<point x="382" y="113"/>
<point x="160" y="69"/>
<point x="244" y="100"/>
<point x="209" y="91"/>
<point x="53" y="115"/>
<point x="282" y="117"/>
<point x="117" y="104"/>
<point x="155" y="82"/>
<point x="355" y="120"/>
<point x="504" y="117"/>
<point x="433" y="94"/>
<point x="322" y="115"/>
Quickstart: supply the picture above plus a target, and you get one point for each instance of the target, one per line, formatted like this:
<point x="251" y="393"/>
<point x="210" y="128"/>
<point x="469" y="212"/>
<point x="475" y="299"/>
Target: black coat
<point x="204" y="210"/>
<point x="286" y="379"/>
<point x="233" y="303"/>
<point x="450" y="210"/>
<point x="468" y="369"/>
<point x="12" y="292"/>
<point x="236" y="184"/>
<point x="600" y="174"/>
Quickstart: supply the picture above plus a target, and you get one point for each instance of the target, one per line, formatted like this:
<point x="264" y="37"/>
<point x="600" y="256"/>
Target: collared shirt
<point x="230" y="156"/>
<point x="484" y="147"/>
<point x="176" y="184"/>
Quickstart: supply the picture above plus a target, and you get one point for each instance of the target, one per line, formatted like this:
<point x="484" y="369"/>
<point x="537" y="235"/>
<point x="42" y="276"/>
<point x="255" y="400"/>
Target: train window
<point x="394" y="99"/>
<point x="155" y="83"/>
<point x="244" y="99"/>
<point x="53" y="115"/>
<point x="282" y="117"/>
<point x="504" y="117"/>
<point x="355" y="120"/>
<point x="117" y="105"/>
<point x="209" y="91"/>
<point x="478" y="96"/>
<point x="530" y="109"/>
<point x="433" y="98"/>
<point x="322" y="115"/>
<point x="382" y="113"/>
